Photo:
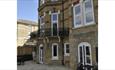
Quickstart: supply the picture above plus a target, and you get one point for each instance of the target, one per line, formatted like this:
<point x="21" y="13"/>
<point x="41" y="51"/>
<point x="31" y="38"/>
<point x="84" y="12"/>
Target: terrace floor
<point x="30" y="65"/>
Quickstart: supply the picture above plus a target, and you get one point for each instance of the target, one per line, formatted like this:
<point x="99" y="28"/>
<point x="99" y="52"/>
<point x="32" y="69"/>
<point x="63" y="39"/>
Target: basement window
<point x="66" y="49"/>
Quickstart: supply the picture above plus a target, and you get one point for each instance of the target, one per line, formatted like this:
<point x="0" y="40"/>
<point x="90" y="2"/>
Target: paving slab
<point x="30" y="65"/>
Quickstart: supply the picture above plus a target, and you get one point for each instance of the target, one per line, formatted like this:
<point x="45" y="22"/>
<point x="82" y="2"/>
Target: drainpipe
<point x="63" y="32"/>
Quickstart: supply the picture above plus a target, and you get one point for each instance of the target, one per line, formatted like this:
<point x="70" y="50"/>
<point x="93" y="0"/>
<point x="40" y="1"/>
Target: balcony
<point x="49" y="32"/>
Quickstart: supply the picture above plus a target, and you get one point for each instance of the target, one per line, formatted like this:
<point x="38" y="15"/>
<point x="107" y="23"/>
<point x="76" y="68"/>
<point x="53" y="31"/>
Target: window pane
<point x="67" y="48"/>
<point x="97" y="54"/>
<point x="77" y="10"/>
<point x="55" y="29"/>
<point x="88" y="11"/>
<point x="41" y="20"/>
<point x="89" y="17"/>
<point x="88" y="60"/>
<point x="87" y="50"/>
<point x="88" y="5"/>
<point x="77" y="20"/>
<point x="81" y="58"/>
<point x="54" y="17"/>
<point x="55" y="50"/>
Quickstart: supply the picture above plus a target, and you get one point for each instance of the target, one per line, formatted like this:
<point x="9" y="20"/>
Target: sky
<point x="27" y="9"/>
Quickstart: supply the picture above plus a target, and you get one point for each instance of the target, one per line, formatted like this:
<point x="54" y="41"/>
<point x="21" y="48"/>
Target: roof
<point x="27" y="22"/>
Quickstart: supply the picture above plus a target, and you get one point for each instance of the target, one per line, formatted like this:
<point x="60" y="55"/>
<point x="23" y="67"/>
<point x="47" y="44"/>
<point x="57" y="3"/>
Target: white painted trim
<point x="85" y="44"/>
<point x="49" y="12"/>
<point x="71" y="5"/>
<point x="54" y="57"/>
<point x="54" y="22"/>
<point x="65" y="53"/>
<point x="58" y="11"/>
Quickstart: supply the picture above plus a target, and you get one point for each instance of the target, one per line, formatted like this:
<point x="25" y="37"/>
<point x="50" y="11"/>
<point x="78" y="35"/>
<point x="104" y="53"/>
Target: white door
<point x="41" y="54"/>
<point x="84" y="55"/>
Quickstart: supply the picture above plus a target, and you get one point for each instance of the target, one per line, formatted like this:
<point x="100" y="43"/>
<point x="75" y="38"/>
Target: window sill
<point x="54" y="58"/>
<point x="67" y="55"/>
<point x="89" y="24"/>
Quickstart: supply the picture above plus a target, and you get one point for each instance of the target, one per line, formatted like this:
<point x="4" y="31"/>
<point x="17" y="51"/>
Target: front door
<point x="84" y="55"/>
<point x="41" y="54"/>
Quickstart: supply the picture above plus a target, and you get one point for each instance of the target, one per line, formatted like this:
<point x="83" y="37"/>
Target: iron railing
<point x="49" y="32"/>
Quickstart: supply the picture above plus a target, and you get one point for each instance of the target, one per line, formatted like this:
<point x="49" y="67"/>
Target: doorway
<point x="41" y="54"/>
<point x="84" y="55"/>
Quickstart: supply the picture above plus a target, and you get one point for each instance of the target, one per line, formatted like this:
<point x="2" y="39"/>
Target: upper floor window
<point x="77" y="16"/>
<point x="54" y="17"/>
<point x="54" y="23"/>
<point x="83" y="13"/>
<point x="88" y="12"/>
<point x="42" y="24"/>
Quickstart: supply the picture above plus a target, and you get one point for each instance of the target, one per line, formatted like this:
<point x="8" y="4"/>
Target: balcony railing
<point x="49" y="32"/>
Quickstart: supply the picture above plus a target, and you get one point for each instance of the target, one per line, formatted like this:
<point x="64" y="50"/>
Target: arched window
<point x="84" y="54"/>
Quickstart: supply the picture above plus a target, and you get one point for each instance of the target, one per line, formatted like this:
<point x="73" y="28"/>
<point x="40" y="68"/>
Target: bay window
<point x="77" y="15"/>
<point x="88" y="12"/>
<point x="83" y="13"/>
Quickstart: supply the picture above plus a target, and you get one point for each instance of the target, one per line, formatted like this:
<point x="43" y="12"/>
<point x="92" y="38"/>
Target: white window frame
<point x="54" y="22"/>
<point x="65" y="47"/>
<point x="80" y="14"/>
<point x="86" y="44"/>
<point x="54" y="57"/>
<point x="83" y="16"/>
<point x="92" y="10"/>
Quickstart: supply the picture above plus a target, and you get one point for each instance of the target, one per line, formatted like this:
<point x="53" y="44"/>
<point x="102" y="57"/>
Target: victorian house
<point x="68" y="33"/>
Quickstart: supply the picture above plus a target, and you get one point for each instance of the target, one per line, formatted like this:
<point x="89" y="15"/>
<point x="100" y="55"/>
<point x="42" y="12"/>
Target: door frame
<point x="41" y="45"/>
<point x="86" y="44"/>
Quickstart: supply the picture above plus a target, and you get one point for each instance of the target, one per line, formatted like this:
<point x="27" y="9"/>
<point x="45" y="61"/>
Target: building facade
<point x="68" y="33"/>
<point x="24" y="28"/>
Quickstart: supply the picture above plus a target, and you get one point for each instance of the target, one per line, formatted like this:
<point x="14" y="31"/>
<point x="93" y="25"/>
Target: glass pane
<point x="55" y="50"/>
<point x="88" y="5"/>
<point x="77" y="20"/>
<point x="42" y="20"/>
<point x="88" y="60"/>
<point x="97" y="54"/>
<point x="54" y="17"/>
<point x="55" y="29"/>
<point x="77" y="10"/>
<point x="87" y="50"/>
<point x="89" y="17"/>
<point x="67" y="48"/>
<point x="81" y="54"/>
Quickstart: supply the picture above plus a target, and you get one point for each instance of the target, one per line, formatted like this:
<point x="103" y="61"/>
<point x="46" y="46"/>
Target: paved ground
<point x="33" y="66"/>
